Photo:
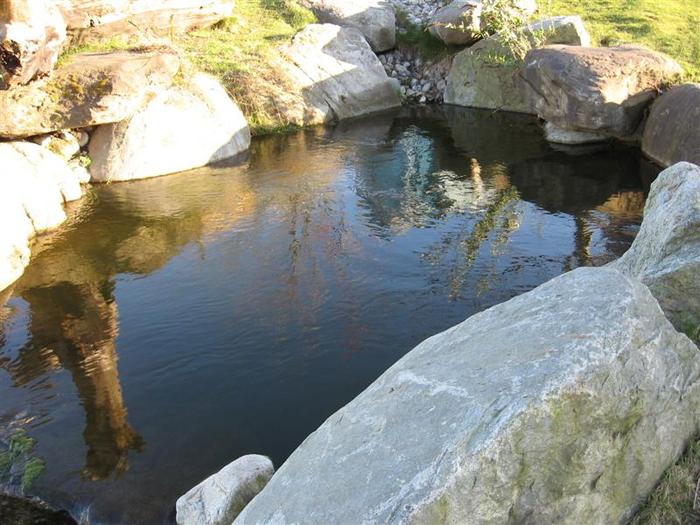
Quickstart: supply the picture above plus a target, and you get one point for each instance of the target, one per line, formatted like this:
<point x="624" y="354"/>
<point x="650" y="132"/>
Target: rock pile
<point x="422" y="81"/>
<point x="416" y="12"/>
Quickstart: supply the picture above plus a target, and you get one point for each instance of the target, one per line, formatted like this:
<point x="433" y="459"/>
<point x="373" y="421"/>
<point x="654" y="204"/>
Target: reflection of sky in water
<point x="177" y="323"/>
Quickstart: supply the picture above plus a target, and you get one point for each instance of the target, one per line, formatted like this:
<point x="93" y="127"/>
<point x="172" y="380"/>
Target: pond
<point x="175" y="324"/>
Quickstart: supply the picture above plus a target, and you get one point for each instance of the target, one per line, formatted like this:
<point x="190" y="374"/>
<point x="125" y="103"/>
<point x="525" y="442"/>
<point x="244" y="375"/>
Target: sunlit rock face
<point x="375" y="19"/>
<point x="220" y="498"/>
<point x="331" y="74"/>
<point x="672" y="131"/>
<point x="595" y="90"/>
<point x="31" y="35"/>
<point x="34" y="185"/>
<point x="180" y="129"/>
<point x="94" y="20"/>
<point x="666" y="253"/>
<point x="563" y="405"/>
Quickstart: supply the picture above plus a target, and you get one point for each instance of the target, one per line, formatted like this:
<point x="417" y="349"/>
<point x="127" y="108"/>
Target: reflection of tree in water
<point x="463" y="245"/>
<point x="74" y="327"/>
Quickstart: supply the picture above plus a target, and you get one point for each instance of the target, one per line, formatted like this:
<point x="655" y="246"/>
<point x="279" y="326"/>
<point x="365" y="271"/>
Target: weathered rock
<point x="331" y="73"/>
<point x="558" y="135"/>
<point x="222" y="496"/>
<point x="602" y="90"/>
<point x="25" y="511"/>
<point x="93" y="88"/>
<point x="563" y="405"/>
<point x="93" y="20"/>
<point x="375" y="19"/>
<point x="34" y="184"/>
<point x="458" y="23"/>
<point x="31" y="35"/>
<point x="180" y="129"/>
<point x="666" y="253"/>
<point x="485" y="75"/>
<point x="672" y="131"/>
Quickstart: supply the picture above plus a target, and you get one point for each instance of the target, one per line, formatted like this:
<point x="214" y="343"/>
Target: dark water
<point x="177" y="323"/>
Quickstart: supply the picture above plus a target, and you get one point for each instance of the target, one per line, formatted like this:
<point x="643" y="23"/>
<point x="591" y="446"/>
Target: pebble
<point x="421" y="80"/>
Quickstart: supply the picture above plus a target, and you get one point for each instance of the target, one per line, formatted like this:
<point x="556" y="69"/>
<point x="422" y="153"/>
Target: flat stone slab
<point x="563" y="405"/>
<point x="91" y="89"/>
<point x="94" y="20"/>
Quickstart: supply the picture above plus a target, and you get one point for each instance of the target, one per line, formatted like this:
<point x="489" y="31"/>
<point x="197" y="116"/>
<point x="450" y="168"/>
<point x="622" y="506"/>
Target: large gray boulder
<point x="458" y="23"/>
<point x="92" y="88"/>
<point x="563" y="405"/>
<point x="99" y="20"/>
<point x="34" y="185"/>
<point x="220" y="498"/>
<point x="463" y="22"/>
<point x="330" y="73"/>
<point x="666" y="252"/>
<point x="599" y="90"/>
<point x="485" y="75"/>
<point x="672" y="131"/>
<point x="180" y="129"/>
<point x="375" y="19"/>
<point x="31" y="35"/>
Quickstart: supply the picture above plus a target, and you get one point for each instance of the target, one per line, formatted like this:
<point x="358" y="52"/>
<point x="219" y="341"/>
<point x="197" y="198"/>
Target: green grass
<point x="675" y="500"/>
<point x="240" y="50"/>
<point x="669" y="26"/>
<point x="16" y="460"/>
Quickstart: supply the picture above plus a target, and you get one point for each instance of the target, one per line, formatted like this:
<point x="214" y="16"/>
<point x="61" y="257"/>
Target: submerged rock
<point x="24" y="511"/>
<point x="375" y="19"/>
<point x="563" y="405"/>
<point x="672" y="131"/>
<point x="600" y="90"/>
<point x="180" y="129"/>
<point x="34" y="185"/>
<point x="94" y="20"/>
<point x="220" y="498"/>
<point x="558" y="135"/>
<point x="331" y="74"/>
<point x="666" y="252"/>
<point x="31" y="35"/>
<point x="485" y="75"/>
<point x="92" y="88"/>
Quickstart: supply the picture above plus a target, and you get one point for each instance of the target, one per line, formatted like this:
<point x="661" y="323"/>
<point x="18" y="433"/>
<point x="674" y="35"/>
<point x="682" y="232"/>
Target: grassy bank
<point x="676" y="500"/>
<point x="669" y="26"/>
<point x="239" y="51"/>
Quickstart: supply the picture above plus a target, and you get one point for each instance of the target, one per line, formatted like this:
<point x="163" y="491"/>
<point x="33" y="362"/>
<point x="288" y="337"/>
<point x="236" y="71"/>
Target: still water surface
<point x="177" y="323"/>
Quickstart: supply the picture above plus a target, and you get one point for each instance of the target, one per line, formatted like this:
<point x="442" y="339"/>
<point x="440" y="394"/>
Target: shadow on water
<point x="233" y="308"/>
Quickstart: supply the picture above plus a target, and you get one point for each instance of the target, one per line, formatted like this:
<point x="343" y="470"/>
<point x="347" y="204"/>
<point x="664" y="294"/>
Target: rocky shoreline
<point x="116" y="116"/>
